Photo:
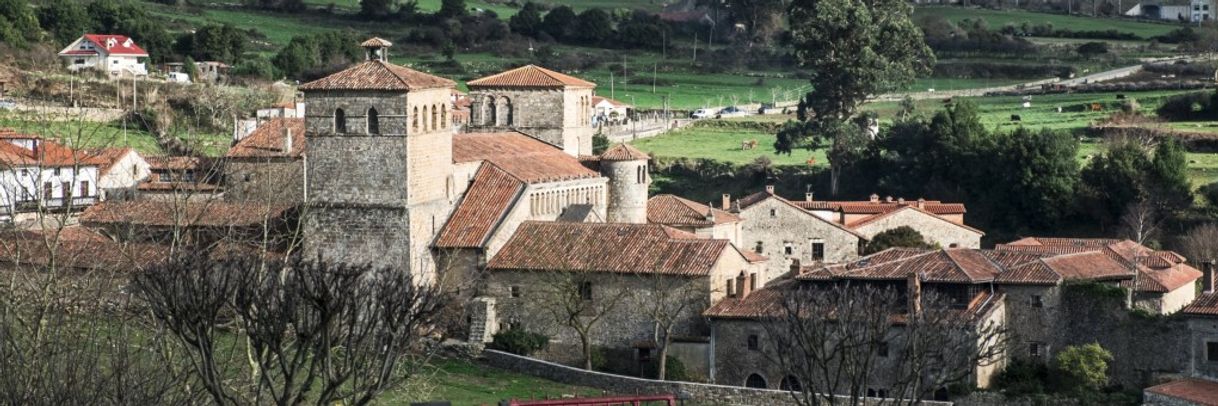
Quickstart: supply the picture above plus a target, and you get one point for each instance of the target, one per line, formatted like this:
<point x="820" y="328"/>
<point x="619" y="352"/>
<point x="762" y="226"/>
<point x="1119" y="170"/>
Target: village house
<point x="181" y="178"/>
<point x="1199" y="384"/>
<point x="1024" y="282"/>
<point x="120" y="170"/>
<point x="269" y="226"/>
<point x="547" y="105"/>
<point x="606" y="110"/>
<point x="939" y="223"/>
<point x="697" y="218"/>
<point x="38" y="174"/>
<point x="777" y="228"/>
<point x="115" y="55"/>
<point x="267" y="165"/>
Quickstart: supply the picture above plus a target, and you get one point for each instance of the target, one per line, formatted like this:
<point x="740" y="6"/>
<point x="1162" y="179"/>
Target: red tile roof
<point x="123" y="46"/>
<point x="267" y="141"/>
<point x="376" y="42"/>
<point x="174" y="163"/>
<point x="46" y="154"/>
<point x="674" y="211"/>
<point x="1204" y="305"/>
<point x="602" y="247"/>
<point x="105" y="158"/>
<point x="378" y="75"/>
<point x="624" y="152"/>
<point x="33" y="249"/>
<point x="598" y="99"/>
<point x="871" y="219"/>
<point x="1158" y="271"/>
<point x="764" y="302"/>
<point x="1198" y="391"/>
<point x="521" y="156"/>
<point x="169" y="214"/>
<point x="883" y="206"/>
<point x="531" y="76"/>
<point x="485" y="204"/>
<point x="759" y="197"/>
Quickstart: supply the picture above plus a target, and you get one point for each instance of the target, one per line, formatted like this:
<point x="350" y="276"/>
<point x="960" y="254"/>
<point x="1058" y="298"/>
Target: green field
<point x="998" y="18"/>
<point x="506" y="11"/>
<point x="466" y="383"/>
<point x="83" y="134"/>
<point x="724" y="144"/>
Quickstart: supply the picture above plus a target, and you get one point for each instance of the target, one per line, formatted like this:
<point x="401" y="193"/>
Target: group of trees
<point x="593" y="26"/>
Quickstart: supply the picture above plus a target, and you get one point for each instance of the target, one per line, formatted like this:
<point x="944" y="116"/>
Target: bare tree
<point x="837" y="341"/>
<point x="316" y="332"/>
<point x="1200" y="244"/>
<point x="1140" y="222"/>
<point x="668" y="301"/>
<point x="579" y="302"/>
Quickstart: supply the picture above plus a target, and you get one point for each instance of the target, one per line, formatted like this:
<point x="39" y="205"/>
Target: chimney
<point x="808" y="196"/>
<point x="743" y="285"/>
<point x="1207" y="276"/>
<point x="914" y="290"/>
<point x="795" y="267"/>
<point x="875" y="198"/>
<point x="900" y="200"/>
<point x="710" y="212"/>
<point x="287" y="140"/>
<point x="921" y="203"/>
<point x="769" y="189"/>
<point x="727" y="202"/>
<point x="888" y="199"/>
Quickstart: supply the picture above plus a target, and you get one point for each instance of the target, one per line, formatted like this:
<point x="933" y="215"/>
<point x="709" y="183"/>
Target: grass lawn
<point x="724" y="145"/>
<point x="84" y="134"/>
<point x="998" y="18"/>
<point x="505" y="11"/>
<point x="466" y="383"/>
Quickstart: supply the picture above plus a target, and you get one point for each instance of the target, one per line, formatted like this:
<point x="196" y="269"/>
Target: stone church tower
<point x="626" y="168"/>
<point x="379" y="163"/>
<point x="544" y="104"/>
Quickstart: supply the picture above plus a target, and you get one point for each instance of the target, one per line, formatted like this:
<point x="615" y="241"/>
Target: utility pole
<point x="134" y="95"/>
<point x="655" y="67"/>
<point x="611" y="96"/>
<point x="695" y="47"/>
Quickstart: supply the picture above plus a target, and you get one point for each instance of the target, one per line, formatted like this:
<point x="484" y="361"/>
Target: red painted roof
<point x="675" y="211"/>
<point x="47" y="154"/>
<point x="1198" y="391"/>
<point x="378" y="75"/>
<point x="483" y="207"/>
<point x="123" y="45"/>
<point x="268" y="140"/>
<point x="531" y="76"/>
<point x="521" y="156"/>
<point x="607" y="247"/>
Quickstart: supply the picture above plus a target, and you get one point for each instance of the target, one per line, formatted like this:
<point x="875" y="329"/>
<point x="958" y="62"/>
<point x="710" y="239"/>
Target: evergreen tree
<point x="903" y="236"/>
<point x="375" y="8"/>
<point x="1168" y="183"/>
<point x="65" y="20"/>
<point x="558" y="22"/>
<point x="24" y="24"/>
<point x="452" y="9"/>
<point x="1113" y="181"/>
<point x="527" y="21"/>
<point x="593" y="26"/>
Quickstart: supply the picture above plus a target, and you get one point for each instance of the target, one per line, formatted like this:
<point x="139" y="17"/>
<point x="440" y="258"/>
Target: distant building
<point x="1174" y="10"/>
<point x="120" y="171"/>
<point x="268" y="165"/>
<point x="180" y="178"/>
<point x="116" y="55"/>
<point x="547" y="105"/>
<point x="38" y="174"/>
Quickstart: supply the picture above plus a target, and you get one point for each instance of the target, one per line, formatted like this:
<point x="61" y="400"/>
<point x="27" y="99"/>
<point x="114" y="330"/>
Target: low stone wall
<point x="700" y="393"/>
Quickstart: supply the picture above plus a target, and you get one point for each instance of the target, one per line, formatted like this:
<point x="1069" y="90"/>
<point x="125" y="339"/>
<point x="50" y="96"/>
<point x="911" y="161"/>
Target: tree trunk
<point x="587" y="352"/>
<point x="834" y="172"/>
<point x="662" y="373"/>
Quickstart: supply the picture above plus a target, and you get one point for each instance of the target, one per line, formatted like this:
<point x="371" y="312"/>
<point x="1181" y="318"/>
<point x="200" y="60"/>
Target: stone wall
<point x="553" y="115"/>
<point x="1202" y="330"/>
<point x="934" y="229"/>
<point x="774" y="224"/>
<point x="264" y="180"/>
<point x="696" y="392"/>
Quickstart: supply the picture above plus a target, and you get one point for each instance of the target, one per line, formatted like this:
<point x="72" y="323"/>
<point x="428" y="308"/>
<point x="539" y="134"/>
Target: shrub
<point x="903" y="236"/>
<point x="1021" y="378"/>
<point x="674" y="371"/>
<point x="1210" y="193"/>
<point x="520" y="342"/>
<point x="1086" y="366"/>
<point x="600" y="143"/>
<point x="1188" y="106"/>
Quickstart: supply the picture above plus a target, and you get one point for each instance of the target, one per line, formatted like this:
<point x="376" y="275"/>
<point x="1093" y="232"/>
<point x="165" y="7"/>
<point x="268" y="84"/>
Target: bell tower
<point x="378" y="163"/>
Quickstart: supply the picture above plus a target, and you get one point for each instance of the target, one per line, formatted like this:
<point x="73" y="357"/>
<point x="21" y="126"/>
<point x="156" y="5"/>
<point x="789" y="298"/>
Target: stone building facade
<point x="268" y="164"/>
<point x="629" y="179"/>
<point x="934" y="229"/>
<point x="547" y="105"/>
<point x="787" y="234"/>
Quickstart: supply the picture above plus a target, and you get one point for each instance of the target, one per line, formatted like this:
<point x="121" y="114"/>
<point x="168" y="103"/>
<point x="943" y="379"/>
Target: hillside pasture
<point x="998" y="18"/>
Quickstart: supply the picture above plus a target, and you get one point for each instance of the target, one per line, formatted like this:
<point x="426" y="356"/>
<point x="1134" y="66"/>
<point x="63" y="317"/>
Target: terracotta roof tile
<point x="105" y="158"/>
<point x="168" y="214"/>
<point x="1198" y="391"/>
<point x="764" y="302"/>
<point x="378" y="75"/>
<point x="759" y="197"/>
<point x="675" y="211"/>
<point x="77" y="252"/>
<point x="484" y="205"/>
<point x="869" y="207"/>
<point x="376" y="42"/>
<point x="1104" y="258"/>
<point x="624" y="152"/>
<point x="530" y="76"/>
<point x="1204" y="305"/>
<point x="521" y="156"/>
<point x="268" y="140"/>
<point x="175" y="163"/>
<point x="606" y="247"/>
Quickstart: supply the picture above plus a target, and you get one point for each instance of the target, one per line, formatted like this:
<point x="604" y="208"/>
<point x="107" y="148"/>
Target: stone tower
<point x="379" y="163"/>
<point x="626" y="168"/>
<point x="544" y="104"/>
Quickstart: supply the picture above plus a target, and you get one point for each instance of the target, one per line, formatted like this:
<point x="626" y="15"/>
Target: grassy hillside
<point x="505" y="11"/>
<point x="466" y="383"/>
<point x="998" y="18"/>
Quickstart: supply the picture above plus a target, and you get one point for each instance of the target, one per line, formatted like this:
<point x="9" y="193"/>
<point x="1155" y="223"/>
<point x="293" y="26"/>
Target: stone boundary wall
<point x="626" y="385"/>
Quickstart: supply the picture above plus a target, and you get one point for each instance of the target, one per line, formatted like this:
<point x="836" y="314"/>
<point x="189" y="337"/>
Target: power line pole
<point x="695" y="47"/>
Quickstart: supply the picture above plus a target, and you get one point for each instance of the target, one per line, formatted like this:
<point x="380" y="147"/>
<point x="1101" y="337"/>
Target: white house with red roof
<point x="117" y="55"/>
<point x="37" y="173"/>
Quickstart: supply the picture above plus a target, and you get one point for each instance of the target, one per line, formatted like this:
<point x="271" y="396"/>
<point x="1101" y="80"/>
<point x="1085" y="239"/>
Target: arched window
<point x="444" y="116"/>
<point x="374" y="124"/>
<point x="641" y="174"/>
<point x="755" y="381"/>
<point x="492" y="112"/>
<point x="340" y="121"/>
<point x="424" y="118"/>
<point x="511" y="120"/>
<point x="434" y="115"/>
<point x="414" y="119"/>
<point x="790" y="383"/>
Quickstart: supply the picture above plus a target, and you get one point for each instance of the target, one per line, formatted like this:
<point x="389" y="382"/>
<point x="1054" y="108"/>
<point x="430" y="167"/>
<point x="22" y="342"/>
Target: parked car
<point x="731" y="111"/>
<point x="702" y="113"/>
